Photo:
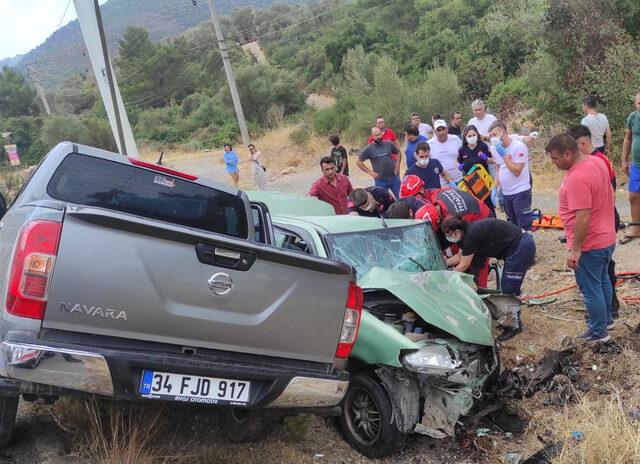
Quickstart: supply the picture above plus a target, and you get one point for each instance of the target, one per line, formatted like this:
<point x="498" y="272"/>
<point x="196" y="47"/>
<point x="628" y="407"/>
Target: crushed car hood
<point x="445" y="299"/>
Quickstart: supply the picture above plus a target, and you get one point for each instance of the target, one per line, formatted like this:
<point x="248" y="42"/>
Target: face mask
<point x="494" y="140"/>
<point x="472" y="139"/>
<point x="452" y="238"/>
<point x="422" y="162"/>
<point x="369" y="206"/>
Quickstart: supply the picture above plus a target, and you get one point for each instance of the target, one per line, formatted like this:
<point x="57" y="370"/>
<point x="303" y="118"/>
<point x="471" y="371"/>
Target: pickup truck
<point x="127" y="280"/>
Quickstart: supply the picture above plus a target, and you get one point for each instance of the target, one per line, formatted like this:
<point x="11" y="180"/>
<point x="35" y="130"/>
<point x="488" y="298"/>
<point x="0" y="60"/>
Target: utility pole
<point x="39" y="90"/>
<point x="109" y="71"/>
<point x="230" y="78"/>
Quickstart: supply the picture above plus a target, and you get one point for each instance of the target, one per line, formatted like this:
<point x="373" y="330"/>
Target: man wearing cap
<point x="444" y="148"/>
<point x="385" y="158"/>
<point x="370" y="202"/>
<point x="428" y="169"/>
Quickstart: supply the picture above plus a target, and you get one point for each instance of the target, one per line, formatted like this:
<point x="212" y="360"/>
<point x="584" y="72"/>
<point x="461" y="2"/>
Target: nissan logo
<point x="220" y="284"/>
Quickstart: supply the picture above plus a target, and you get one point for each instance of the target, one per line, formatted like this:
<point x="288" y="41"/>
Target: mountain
<point x="63" y="54"/>
<point x="11" y="62"/>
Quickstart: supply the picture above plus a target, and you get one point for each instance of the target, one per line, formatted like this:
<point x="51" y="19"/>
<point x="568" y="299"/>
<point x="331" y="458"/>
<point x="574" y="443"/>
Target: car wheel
<point x="244" y="425"/>
<point x="8" y="411"/>
<point x="367" y="418"/>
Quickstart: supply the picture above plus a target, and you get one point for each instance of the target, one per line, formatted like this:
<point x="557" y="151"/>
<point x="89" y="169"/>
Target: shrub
<point x="60" y="128"/>
<point x="505" y="95"/>
<point x="300" y="136"/>
<point x="335" y="118"/>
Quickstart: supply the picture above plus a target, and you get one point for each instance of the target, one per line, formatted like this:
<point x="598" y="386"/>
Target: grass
<point x="610" y="435"/>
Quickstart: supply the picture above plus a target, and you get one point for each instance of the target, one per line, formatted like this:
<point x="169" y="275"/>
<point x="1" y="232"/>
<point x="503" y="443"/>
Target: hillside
<point x="161" y="18"/>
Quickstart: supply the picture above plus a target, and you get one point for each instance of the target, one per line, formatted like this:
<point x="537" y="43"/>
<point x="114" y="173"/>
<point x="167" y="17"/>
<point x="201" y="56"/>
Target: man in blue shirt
<point x="413" y="137"/>
<point x="428" y="169"/>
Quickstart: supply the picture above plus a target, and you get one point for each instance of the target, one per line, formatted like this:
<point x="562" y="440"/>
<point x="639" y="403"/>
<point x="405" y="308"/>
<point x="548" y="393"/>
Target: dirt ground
<point x="47" y="435"/>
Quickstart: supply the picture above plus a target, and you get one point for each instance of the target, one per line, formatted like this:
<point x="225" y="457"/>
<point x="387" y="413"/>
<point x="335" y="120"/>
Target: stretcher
<point x="478" y="182"/>
<point x="546" y="221"/>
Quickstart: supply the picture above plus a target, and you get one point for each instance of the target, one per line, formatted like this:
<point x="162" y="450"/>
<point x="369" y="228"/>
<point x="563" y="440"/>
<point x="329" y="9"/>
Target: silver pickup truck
<point x="127" y="280"/>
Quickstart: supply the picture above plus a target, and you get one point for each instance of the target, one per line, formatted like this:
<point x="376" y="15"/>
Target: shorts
<point x="634" y="178"/>
<point x="232" y="169"/>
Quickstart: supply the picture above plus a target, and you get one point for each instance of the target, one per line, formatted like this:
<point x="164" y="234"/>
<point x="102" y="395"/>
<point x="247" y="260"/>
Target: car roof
<point x="342" y="223"/>
<point x="281" y="203"/>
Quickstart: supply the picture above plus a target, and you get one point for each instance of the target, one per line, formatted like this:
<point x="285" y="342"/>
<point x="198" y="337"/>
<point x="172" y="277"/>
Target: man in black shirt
<point x="370" y="201"/>
<point x="456" y="125"/>
<point x="493" y="238"/>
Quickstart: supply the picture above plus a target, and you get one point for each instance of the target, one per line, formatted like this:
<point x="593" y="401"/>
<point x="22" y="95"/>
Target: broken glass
<point x="411" y="248"/>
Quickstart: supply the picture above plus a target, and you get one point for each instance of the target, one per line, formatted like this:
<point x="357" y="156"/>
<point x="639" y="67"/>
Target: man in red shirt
<point x="582" y="135"/>
<point x="387" y="134"/>
<point x="332" y="187"/>
<point x="586" y="209"/>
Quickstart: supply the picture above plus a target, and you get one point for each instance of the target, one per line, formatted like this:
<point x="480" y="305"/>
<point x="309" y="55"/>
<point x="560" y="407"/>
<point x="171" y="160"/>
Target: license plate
<point x="193" y="388"/>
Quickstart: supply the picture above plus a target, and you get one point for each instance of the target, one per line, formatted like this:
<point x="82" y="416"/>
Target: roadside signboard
<point x="12" y="154"/>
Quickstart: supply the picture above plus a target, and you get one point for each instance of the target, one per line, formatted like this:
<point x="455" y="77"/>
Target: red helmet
<point x="411" y="185"/>
<point x="429" y="212"/>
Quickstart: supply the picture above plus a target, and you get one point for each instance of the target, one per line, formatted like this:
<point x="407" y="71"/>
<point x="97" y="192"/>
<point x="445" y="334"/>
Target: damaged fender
<point x="403" y="390"/>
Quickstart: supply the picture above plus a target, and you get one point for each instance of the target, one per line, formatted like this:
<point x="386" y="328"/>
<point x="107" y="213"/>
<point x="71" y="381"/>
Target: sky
<point x="25" y="24"/>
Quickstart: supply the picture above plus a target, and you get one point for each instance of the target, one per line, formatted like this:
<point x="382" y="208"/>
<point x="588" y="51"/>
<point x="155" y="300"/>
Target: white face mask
<point x="368" y="206"/>
<point x="472" y="139"/>
<point x="453" y="238"/>
<point x="422" y="162"/>
<point x="495" y="140"/>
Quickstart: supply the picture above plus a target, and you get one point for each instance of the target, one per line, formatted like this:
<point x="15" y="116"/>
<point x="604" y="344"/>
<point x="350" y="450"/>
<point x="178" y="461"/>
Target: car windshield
<point x="411" y="248"/>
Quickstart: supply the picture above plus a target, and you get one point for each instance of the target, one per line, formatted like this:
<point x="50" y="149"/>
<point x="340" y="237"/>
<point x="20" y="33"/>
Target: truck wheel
<point x="244" y="425"/>
<point x="8" y="411"/>
<point x="367" y="418"/>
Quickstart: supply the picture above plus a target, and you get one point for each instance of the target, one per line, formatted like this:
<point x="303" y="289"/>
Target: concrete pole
<point x="230" y="78"/>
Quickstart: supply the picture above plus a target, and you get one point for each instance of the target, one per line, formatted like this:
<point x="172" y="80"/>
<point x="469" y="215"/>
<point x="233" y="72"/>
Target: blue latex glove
<point x="483" y="156"/>
<point x="500" y="149"/>
<point x="494" y="196"/>
<point x="453" y="184"/>
<point x="461" y="167"/>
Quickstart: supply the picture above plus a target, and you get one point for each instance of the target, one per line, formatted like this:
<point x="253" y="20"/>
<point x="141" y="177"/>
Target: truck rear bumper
<point x="90" y="372"/>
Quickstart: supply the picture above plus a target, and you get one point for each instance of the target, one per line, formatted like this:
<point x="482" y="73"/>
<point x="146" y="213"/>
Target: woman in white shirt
<point x="258" y="170"/>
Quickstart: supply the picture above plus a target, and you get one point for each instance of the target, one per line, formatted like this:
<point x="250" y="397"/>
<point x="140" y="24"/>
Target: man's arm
<point x="515" y="168"/>
<point x="607" y="140"/>
<point x="364" y="167"/>
<point x="464" y="264"/>
<point x="580" y="230"/>
<point x="396" y="170"/>
<point x="453" y="260"/>
<point x="313" y="191"/>
<point x="626" y="150"/>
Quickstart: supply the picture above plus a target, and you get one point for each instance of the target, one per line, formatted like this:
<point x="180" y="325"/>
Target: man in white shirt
<point x="424" y="128"/>
<point x="513" y="175"/>
<point x="481" y="119"/>
<point x="444" y="148"/>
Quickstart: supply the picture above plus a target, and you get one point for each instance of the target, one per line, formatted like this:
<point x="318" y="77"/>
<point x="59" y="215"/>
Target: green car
<point x="425" y="350"/>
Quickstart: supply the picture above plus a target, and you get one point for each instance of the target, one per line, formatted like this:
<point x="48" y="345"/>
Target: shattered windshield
<point x="409" y="248"/>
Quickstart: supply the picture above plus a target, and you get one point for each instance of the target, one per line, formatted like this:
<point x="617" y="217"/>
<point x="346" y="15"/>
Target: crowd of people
<point x="422" y="180"/>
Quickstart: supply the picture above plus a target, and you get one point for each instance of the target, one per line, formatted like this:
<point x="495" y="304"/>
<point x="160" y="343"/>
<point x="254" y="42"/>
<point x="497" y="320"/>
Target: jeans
<point x="592" y="277"/>
<point x="517" y="264"/>
<point x="393" y="184"/>
<point x="518" y="209"/>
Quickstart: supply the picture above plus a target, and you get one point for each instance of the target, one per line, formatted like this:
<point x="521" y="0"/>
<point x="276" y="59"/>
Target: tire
<point x="373" y="434"/>
<point x="8" y="411"/>
<point x="244" y="425"/>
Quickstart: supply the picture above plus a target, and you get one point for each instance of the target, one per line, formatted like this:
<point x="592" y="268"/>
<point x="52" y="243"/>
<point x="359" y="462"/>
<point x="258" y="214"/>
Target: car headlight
<point x="430" y="357"/>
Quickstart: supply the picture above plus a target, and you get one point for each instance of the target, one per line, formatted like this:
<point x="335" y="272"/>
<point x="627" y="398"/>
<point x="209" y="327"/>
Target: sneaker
<point x="611" y="325"/>
<point x="595" y="339"/>
<point x="586" y="335"/>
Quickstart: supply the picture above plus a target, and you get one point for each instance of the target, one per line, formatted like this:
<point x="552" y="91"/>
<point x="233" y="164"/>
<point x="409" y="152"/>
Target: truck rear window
<point x="90" y="181"/>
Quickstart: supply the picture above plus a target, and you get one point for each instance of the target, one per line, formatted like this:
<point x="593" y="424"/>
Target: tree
<point x="17" y="98"/>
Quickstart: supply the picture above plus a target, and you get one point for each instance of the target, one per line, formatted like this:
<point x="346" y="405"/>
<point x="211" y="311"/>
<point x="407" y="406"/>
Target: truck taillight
<point x="351" y="323"/>
<point x="31" y="270"/>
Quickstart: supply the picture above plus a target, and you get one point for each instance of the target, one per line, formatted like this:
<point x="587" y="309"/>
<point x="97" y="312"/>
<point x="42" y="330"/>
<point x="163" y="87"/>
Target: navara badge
<point x="220" y="284"/>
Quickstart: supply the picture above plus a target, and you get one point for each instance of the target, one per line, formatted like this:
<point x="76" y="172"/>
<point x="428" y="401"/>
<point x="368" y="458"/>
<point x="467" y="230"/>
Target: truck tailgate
<point x="125" y="276"/>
